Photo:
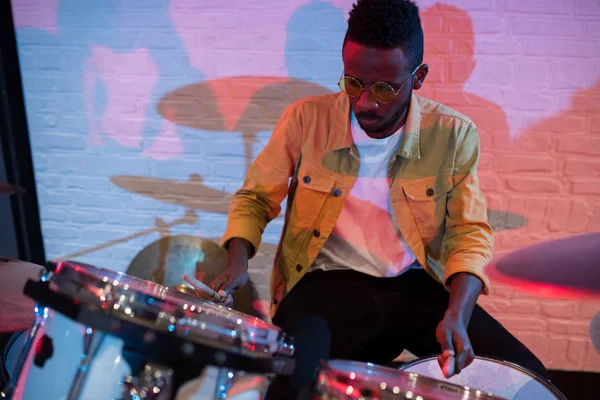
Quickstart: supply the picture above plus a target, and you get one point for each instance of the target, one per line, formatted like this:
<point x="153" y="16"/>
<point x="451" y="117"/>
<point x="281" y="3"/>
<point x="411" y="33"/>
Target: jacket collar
<point x="340" y="136"/>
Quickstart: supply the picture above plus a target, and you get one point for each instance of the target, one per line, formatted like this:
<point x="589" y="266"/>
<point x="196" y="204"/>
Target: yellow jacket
<point x="434" y="189"/>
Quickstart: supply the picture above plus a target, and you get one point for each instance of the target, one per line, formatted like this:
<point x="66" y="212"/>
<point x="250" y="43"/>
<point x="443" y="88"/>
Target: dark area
<point x="16" y="148"/>
<point x="577" y="384"/>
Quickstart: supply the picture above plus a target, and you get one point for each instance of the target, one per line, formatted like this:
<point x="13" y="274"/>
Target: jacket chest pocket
<point x="427" y="199"/>
<point x="314" y="187"/>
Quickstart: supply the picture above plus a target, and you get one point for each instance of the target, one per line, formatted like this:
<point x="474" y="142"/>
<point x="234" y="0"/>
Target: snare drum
<point x="501" y="378"/>
<point x="341" y="380"/>
<point x="108" y="335"/>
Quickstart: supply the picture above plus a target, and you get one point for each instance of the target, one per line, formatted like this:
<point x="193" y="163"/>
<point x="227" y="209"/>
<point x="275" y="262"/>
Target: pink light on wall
<point x="255" y="41"/>
<point x="215" y="53"/>
<point x="129" y="80"/>
<point x="41" y="14"/>
<point x="168" y="144"/>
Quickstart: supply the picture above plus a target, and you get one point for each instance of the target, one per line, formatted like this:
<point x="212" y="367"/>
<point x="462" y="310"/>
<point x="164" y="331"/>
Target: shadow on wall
<point x="248" y="105"/>
<point x="118" y="64"/>
<point x="313" y="48"/>
<point x="91" y="86"/>
<point x="565" y="151"/>
<point x="243" y="104"/>
<point x="449" y="51"/>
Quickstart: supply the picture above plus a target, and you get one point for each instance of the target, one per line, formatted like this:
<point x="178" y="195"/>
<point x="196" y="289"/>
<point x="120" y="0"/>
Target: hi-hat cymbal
<point x="166" y="260"/>
<point x="7" y="189"/>
<point x="558" y="268"/>
<point x="16" y="309"/>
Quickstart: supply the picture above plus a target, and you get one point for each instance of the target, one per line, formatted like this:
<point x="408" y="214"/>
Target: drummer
<point x="387" y="236"/>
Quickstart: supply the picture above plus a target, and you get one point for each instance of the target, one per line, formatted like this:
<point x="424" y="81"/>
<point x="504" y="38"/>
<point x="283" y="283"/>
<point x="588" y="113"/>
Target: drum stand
<point x="155" y="382"/>
<point x="41" y="312"/>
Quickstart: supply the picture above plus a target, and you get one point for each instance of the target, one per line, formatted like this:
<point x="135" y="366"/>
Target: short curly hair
<point x="387" y="24"/>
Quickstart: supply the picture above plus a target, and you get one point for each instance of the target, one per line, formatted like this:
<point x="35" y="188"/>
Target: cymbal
<point x="7" y="189"/>
<point x="595" y="331"/>
<point x="166" y="260"/>
<point x="557" y="268"/>
<point x="16" y="309"/>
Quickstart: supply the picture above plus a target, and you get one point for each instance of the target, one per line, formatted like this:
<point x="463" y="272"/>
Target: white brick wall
<point x="527" y="71"/>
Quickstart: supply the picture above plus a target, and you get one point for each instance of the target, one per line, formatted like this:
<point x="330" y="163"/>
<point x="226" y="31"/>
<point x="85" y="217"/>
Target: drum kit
<point x="85" y="332"/>
<point x="101" y="334"/>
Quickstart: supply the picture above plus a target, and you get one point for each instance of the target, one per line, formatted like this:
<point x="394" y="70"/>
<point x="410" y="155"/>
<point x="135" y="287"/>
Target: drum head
<point x="500" y="378"/>
<point x="166" y="310"/>
<point x="343" y="379"/>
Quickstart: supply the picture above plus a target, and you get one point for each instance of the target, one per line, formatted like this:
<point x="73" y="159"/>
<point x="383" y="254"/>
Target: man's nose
<point x="366" y="103"/>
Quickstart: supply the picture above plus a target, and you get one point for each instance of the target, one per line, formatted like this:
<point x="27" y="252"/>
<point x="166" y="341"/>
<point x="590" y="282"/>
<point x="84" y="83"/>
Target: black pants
<point x="350" y="315"/>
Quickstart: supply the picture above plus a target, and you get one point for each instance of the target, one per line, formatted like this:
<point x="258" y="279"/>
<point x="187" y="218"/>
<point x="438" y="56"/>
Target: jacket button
<point x="337" y="192"/>
<point x="298" y="267"/>
<point x="306" y="179"/>
<point x="430" y="192"/>
<point x="316" y="233"/>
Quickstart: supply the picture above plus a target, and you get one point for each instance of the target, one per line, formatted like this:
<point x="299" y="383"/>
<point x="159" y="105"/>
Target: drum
<point x="100" y="334"/>
<point x="501" y="378"/>
<point x="340" y="379"/>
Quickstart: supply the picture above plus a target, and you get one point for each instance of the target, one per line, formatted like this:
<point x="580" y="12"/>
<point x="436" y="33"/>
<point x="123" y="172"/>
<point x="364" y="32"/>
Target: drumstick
<point x="446" y="361"/>
<point x="202" y="288"/>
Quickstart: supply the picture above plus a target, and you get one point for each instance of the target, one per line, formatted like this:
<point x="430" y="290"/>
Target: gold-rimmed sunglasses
<point x="382" y="92"/>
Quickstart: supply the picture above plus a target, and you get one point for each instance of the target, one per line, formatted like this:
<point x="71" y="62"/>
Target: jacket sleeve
<point x="266" y="184"/>
<point x="468" y="241"/>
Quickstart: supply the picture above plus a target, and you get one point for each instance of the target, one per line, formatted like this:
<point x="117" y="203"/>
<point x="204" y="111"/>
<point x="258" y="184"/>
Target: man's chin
<point x="376" y="131"/>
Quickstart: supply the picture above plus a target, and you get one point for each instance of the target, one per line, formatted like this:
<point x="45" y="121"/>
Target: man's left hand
<point x="457" y="352"/>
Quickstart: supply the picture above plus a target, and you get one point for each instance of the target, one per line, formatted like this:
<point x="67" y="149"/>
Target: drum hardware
<point x="159" y="345"/>
<point x="595" y="331"/>
<point x="164" y="338"/>
<point x="41" y="313"/>
<point x="154" y="383"/>
<point x="91" y="343"/>
<point x="224" y="383"/>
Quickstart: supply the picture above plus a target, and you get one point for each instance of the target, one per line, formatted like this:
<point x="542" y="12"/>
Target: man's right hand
<point x="236" y="273"/>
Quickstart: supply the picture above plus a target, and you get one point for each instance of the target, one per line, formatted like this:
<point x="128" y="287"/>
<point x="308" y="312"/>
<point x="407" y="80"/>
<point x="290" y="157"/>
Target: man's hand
<point x="236" y="273"/>
<point x="457" y="352"/>
<point x="451" y="332"/>
<point x="205" y="292"/>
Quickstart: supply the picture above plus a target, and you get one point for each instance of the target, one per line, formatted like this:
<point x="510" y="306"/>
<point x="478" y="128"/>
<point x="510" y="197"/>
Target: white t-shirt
<point x="366" y="237"/>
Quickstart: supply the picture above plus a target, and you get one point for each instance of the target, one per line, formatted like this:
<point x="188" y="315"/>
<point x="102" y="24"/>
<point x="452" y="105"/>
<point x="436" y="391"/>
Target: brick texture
<point x="143" y="117"/>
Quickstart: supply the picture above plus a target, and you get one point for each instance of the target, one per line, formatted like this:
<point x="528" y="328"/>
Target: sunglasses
<point x="382" y="92"/>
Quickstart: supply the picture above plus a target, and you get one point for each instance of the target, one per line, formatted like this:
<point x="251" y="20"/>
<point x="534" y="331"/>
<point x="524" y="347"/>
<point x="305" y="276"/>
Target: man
<point x="386" y="234"/>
